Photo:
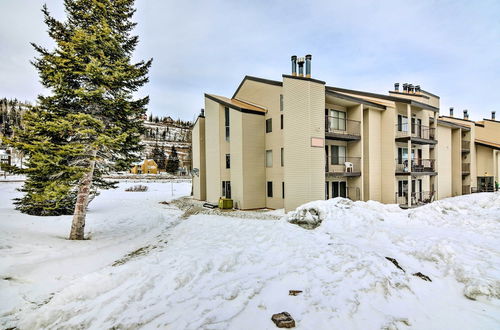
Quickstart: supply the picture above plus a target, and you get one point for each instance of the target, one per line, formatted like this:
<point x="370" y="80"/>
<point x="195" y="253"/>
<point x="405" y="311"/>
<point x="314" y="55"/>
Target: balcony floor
<point x="342" y="137"/>
<point x="416" y="140"/>
<point x="416" y="173"/>
<point x="342" y="174"/>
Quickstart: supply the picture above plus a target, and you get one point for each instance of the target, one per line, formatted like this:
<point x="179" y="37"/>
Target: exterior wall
<point x="372" y="154"/>
<point x="444" y="162"/>
<point x="304" y="172"/>
<point x="199" y="161"/>
<point x="485" y="163"/>
<point x="456" y="159"/>
<point x="247" y="160"/>
<point x="213" y="133"/>
<point x="268" y="96"/>
<point x="388" y="154"/>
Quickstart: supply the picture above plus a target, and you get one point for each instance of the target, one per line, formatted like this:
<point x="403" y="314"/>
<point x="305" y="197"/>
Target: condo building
<point x="279" y="144"/>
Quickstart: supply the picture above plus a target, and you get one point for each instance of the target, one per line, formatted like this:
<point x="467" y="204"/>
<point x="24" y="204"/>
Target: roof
<point x="488" y="144"/>
<point x="383" y="97"/>
<point x="450" y="124"/>
<point x="257" y="79"/>
<point x="237" y="104"/>
<point x="355" y="99"/>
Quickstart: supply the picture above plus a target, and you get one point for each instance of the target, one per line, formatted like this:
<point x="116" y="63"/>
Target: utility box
<point x="225" y="203"/>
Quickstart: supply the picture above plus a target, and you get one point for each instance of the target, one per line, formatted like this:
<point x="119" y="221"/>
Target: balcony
<point x="419" y="134"/>
<point x="465" y="168"/>
<point x="465" y="146"/>
<point x="466" y="190"/>
<point x="418" y="167"/>
<point x="343" y="166"/>
<point x="418" y="198"/>
<point x="342" y="129"/>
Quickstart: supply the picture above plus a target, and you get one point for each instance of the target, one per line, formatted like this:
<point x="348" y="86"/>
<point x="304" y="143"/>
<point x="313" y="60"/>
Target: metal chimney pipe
<point x="493" y="115"/>
<point x="202" y="113"/>
<point x="451" y="111"/>
<point x="417" y="89"/>
<point x="466" y="114"/>
<point x="410" y="88"/>
<point x="294" y="65"/>
<point x="300" y="62"/>
<point x="308" y="65"/>
<point x="396" y="87"/>
<point x="405" y="88"/>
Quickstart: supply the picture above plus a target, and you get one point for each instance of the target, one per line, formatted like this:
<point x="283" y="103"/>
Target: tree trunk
<point x="82" y="200"/>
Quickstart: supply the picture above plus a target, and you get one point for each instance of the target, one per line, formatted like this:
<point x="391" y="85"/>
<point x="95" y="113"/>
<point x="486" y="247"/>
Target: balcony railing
<point x="417" y="165"/>
<point x="465" y="168"/>
<point x="465" y="146"/>
<point x="466" y="190"/>
<point x="417" y="131"/>
<point x="342" y="126"/>
<point x="417" y="198"/>
<point x="343" y="165"/>
<point x="488" y="188"/>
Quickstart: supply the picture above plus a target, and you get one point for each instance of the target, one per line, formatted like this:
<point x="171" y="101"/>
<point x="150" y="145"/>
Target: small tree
<point x="158" y="155"/>
<point x="173" y="161"/>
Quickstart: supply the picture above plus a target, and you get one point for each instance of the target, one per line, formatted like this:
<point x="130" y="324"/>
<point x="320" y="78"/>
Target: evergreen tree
<point x="173" y="161"/>
<point x="158" y="155"/>
<point x="88" y="73"/>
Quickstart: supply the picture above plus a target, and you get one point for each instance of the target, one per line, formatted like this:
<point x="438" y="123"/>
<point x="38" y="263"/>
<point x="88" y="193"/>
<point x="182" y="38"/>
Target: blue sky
<point x="450" y="48"/>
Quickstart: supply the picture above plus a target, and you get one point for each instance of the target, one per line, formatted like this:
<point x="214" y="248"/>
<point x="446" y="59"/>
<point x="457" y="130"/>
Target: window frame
<point x="269" y="189"/>
<point x="269" y="125"/>
<point x="269" y="152"/>
<point x="228" y="161"/>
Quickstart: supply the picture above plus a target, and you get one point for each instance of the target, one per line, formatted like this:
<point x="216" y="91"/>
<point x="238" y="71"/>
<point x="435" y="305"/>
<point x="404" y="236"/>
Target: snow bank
<point x="218" y="272"/>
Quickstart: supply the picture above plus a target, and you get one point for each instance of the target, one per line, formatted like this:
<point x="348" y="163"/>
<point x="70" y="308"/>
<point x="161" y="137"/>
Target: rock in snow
<point x="283" y="320"/>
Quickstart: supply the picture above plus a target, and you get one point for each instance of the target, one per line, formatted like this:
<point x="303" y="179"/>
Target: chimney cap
<point x="308" y="56"/>
<point x="294" y="57"/>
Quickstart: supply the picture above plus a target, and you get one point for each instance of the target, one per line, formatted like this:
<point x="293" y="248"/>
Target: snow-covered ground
<point x="221" y="272"/>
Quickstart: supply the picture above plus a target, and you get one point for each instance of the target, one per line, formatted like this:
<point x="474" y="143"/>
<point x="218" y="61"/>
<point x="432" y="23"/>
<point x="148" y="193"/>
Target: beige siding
<point x="444" y="162"/>
<point x="304" y="102"/>
<point x="198" y="138"/>
<point x="485" y="164"/>
<point x="213" y="150"/>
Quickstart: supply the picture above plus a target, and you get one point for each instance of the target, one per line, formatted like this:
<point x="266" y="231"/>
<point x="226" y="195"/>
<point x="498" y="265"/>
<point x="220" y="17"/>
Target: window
<point x="339" y="189"/>
<point x="283" y="190"/>
<point x="269" y="189"/>
<point x="402" y="123"/>
<point x="338" y="155"/>
<point x="226" y="189"/>
<point x="402" y="188"/>
<point x="281" y="121"/>
<point x="226" y="122"/>
<point x="269" y="158"/>
<point x="282" y="156"/>
<point x="281" y="102"/>
<point x="327" y="190"/>
<point x="269" y="125"/>
<point x="402" y="155"/>
<point x="337" y="120"/>
<point x="228" y="160"/>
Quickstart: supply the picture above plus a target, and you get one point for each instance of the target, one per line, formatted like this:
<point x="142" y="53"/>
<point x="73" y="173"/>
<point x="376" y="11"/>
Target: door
<point x="327" y="190"/>
<point x="343" y="189"/>
<point x="335" y="189"/>
<point x="327" y="158"/>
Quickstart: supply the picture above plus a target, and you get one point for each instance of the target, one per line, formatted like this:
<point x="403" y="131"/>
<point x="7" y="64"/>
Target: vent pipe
<point x="308" y="65"/>
<point x="493" y="115"/>
<point x="202" y="112"/>
<point x="405" y="88"/>
<point x="300" y="62"/>
<point x="294" y="65"/>
<point x="466" y="114"/>
<point x="451" y="111"/>
<point x="417" y="89"/>
<point x="410" y="88"/>
<point x="396" y="87"/>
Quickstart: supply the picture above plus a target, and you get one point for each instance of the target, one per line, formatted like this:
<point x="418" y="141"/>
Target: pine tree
<point x="88" y="73"/>
<point x="173" y="161"/>
<point x="158" y="155"/>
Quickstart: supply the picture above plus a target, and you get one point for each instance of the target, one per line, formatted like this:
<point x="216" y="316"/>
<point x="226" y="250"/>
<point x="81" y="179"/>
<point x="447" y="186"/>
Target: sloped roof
<point x="237" y="104"/>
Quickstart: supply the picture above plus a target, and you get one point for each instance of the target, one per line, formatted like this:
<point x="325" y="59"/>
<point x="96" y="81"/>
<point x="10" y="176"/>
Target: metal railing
<point x="465" y="145"/>
<point x="466" y="190"/>
<point x="417" y="131"/>
<point x="465" y="167"/>
<point x="343" y="164"/>
<point x="417" y="198"/>
<point x="342" y="126"/>
<point x="417" y="165"/>
<point x="488" y="188"/>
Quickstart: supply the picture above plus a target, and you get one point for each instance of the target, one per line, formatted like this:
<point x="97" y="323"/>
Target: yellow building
<point x="148" y="166"/>
<point x="279" y="144"/>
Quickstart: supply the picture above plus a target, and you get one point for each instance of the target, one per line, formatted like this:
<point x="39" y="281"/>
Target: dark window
<point x="281" y="102"/>
<point x="338" y="155"/>
<point x="282" y="190"/>
<point x="327" y="190"/>
<point x="228" y="161"/>
<point x="335" y="189"/>
<point x="226" y="189"/>
<point x="269" y="189"/>
<point x="226" y="122"/>
<point x="269" y="125"/>
<point x="281" y="121"/>
<point x="282" y="157"/>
